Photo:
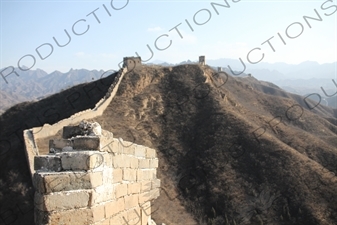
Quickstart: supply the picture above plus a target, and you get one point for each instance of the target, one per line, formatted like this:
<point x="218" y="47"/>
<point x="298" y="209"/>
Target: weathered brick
<point x="63" y="181"/>
<point x="149" y="174"/>
<point x="144" y="197"/>
<point x="59" y="144"/>
<point x="71" y="131"/>
<point x="38" y="183"/>
<point x="61" y="201"/>
<point x="117" y="175"/>
<point x="144" y="163"/>
<point x="146" y="186"/>
<point x="47" y="163"/>
<point x="86" y="143"/>
<point x="127" y="161"/>
<point x="77" y="216"/>
<point x="119" y="219"/>
<point x="134" y="188"/>
<point x="98" y="212"/>
<point x="145" y="211"/>
<point x="134" y="215"/>
<point x="109" y="147"/>
<point x="131" y="201"/>
<point x="140" y="151"/>
<point x="81" y="160"/>
<point x="108" y="175"/>
<point x="96" y="179"/>
<point x="128" y="148"/>
<point x="118" y="161"/>
<point x="129" y="174"/>
<point x="114" y="207"/>
<point x="150" y="153"/>
<point x="102" y="194"/>
<point x="121" y="190"/>
<point x="108" y="159"/>
<point x="153" y="163"/>
<point x="134" y="163"/>
<point x="58" y="182"/>
<point x="154" y="193"/>
<point x="140" y="175"/>
<point x="155" y="183"/>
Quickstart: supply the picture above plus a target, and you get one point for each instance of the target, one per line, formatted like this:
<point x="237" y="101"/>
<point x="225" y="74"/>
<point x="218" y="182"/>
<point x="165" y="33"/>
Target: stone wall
<point x="111" y="185"/>
<point x="91" y="180"/>
<point x="48" y="130"/>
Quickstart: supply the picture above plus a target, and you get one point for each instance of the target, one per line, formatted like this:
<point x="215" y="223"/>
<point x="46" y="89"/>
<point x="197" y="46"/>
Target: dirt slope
<point x="231" y="150"/>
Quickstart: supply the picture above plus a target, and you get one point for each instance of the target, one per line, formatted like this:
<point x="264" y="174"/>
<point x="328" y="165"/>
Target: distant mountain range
<point x="37" y="84"/>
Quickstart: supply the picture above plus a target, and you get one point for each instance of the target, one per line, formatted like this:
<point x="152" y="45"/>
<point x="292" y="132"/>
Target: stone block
<point x="127" y="161"/>
<point x="108" y="175"/>
<point x="149" y="174"/>
<point x="134" y="163"/>
<point x="144" y="163"/>
<point x="155" y="184"/>
<point x="38" y="183"/>
<point x="150" y="153"/>
<point x="71" y="131"/>
<point x="144" y="197"/>
<point x="128" y="147"/>
<point x="61" y="200"/>
<point x="146" y="186"/>
<point x="121" y="190"/>
<point x="131" y="201"/>
<point x="108" y="159"/>
<point x="119" y="219"/>
<point x="140" y="151"/>
<point x="153" y="163"/>
<point x="98" y="213"/>
<point x="114" y="207"/>
<point x="140" y="175"/>
<point x="65" y="181"/>
<point x="41" y="217"/>
<point x="134" y="215"/>
<point x="118" y="161"/>
<point x="59" y="144"/>
<point x="129" y="174"/>
<point x="134" y="188"/>
<point x="59" y="182"/>
<point x="81" y="160"/>
<point x="117" y="175"/>
<point x="102" y="194"/>
<point x="47" y="163"/>
<point x="145" y="212"/>
<point x="155" y="193"/>
<point x="96" y="179"/>
<point x="78" y="216"/>
<point x="86" y="143"/>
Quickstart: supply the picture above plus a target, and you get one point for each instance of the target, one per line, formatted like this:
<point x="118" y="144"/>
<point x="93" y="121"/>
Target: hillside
<point x="231" y="150"/>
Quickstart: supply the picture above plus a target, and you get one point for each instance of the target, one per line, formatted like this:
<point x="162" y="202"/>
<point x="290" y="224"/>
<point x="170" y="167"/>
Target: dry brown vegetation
<point x="231" y="150"/>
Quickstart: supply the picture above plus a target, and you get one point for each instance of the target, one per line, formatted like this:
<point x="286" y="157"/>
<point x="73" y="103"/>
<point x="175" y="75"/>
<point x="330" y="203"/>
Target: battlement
<point x="89" y="177"/>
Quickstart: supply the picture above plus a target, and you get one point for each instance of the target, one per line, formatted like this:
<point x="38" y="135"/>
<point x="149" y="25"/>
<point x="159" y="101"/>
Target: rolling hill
<point x="232" y="150"/>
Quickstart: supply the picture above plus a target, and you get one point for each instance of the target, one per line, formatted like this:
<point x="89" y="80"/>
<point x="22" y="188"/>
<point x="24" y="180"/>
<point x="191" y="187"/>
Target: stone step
<point x="77" y="143"/>
<point x="69" y="161"/>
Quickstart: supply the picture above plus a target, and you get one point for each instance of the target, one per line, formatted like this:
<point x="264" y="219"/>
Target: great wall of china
<point x="91" y="179"/>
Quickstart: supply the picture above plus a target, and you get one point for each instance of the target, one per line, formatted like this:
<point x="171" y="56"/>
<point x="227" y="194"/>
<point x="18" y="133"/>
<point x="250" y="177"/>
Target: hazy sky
<point x="218" y="31"/>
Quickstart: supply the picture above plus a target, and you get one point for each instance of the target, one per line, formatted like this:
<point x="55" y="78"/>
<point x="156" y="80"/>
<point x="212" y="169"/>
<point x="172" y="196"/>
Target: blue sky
<point x="232" y="33"/>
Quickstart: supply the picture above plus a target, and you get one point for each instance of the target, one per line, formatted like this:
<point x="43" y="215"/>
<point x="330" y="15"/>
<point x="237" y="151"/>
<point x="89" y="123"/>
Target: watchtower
<point x="132" y="62"/>
<point x="202" y="60"/>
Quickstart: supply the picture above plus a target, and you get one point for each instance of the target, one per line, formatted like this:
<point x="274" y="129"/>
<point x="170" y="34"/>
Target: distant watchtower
<point x="202" y="61"/>
<point x="132" y="62"/>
